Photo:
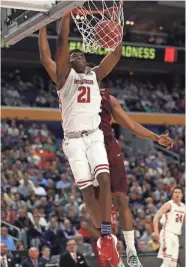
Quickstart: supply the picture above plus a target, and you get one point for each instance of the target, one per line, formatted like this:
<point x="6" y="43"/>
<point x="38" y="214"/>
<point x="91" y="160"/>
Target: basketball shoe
<point x="107" y="248"/>
<point x="132" y="260"/>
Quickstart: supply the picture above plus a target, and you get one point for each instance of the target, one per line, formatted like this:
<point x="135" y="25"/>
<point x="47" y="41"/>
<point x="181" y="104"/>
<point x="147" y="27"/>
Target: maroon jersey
<point x="106" y="118"/>
<point x="118" y="177"/>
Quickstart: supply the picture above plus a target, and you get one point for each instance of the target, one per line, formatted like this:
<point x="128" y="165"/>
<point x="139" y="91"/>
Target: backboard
<point x="20" y="18"/>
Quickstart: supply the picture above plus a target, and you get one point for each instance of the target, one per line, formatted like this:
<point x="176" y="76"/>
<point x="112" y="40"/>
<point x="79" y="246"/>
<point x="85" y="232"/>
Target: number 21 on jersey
<point x="83" y="94"/>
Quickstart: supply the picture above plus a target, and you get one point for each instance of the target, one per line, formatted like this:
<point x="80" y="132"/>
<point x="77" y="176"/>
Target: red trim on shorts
<point x="84" y="182"/>
<point x="104" y="168"/>
<point x="101" y="165"/>
<point x="166" y="256"/>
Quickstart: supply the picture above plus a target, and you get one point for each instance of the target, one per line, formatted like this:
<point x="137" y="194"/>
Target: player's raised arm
<point x="62" y="54"/>
<point x="45" y="54"/>
<point x="125" y="121"/>
<point x="108" y="63"/>
<point x="164" y="209"/>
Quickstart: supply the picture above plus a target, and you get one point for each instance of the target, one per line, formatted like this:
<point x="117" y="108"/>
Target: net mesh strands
<point x="100" y="23"/>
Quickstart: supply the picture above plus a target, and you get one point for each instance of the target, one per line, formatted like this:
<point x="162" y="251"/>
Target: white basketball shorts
<point x="87" y="157"/>
<point x="169" y="246"/>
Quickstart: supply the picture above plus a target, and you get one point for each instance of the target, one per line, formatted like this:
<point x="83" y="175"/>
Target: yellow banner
<point x="48" y="114"/>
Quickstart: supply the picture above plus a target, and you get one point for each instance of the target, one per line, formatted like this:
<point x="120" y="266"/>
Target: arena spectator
<point x="72" y="258"/>
<point x="33" y="259"/>
<point x="54" y="237"/>
<point x="69" y="230"/>
<point x="24" y="224"/>
<point x="39" y="190"/>
<point x="20" y="247"/>
<point x="83" y="247"/>
<point x="31" y="202"/>
<point x="26" y="188"/>
<point x="35" y="233"/>
<point x="13" y="130"/>
<point x="6" y="260"/>
<point x="41" y="181"/>
<point x="147" y="236"/>
<point x="73" y="218"/>
<point x="7" y="239"/>
<point x="64" y="183"/>
<point x="83" y="231"/>
<point x="72" y="205"/>
<point x="45" y="252"/>
<point x="9" y="215"/>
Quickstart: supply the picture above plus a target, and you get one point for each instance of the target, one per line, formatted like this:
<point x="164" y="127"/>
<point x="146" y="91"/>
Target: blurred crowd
<point x="40" y="198"/>
<point x="134" y="95"/>
<point x="174" y="35"/>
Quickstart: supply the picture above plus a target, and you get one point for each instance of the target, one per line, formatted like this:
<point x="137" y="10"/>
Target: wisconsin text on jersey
<point x="83" y="81"/>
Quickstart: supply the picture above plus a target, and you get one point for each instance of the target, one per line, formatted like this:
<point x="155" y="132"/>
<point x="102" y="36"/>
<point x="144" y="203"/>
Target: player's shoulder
<point x="183" y="205"/>
<point x="90" y="72"/>
<point x="170" y="204"/>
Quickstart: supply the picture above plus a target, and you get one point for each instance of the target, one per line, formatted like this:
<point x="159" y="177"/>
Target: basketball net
<point x="91" y="16"/>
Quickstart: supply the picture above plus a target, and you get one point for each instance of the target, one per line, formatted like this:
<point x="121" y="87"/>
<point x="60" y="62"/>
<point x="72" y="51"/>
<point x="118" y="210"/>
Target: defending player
<point x="110" y="106"/>
<point x="80" y="101"/>
<point x="172" y="215"/>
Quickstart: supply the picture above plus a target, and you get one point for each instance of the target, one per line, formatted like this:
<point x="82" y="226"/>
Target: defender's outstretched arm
<point x="125" y="121"/>
<point x="62" y="54"/>
<point x="45" y="54"/>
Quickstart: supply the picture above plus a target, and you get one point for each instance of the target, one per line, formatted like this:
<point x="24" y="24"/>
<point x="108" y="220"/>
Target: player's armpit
<point x="108" y="63"/>
<point x="45" y="54"/>
<point x="62" y="54"/>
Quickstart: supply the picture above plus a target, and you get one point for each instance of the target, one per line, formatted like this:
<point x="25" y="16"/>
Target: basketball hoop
<point x="100" y="24"/>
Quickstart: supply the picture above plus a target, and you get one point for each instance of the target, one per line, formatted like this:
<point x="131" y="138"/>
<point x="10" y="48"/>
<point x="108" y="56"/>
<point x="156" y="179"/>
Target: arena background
<point x="149" y="82"/>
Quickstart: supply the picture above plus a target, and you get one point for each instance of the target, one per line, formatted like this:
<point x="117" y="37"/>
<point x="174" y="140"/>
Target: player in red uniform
<point x="111" y="107"/>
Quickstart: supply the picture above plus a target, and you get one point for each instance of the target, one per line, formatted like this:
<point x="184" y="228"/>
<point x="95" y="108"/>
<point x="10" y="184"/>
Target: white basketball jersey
<point x="80" y="102"/>
<point x="173" y="220"/>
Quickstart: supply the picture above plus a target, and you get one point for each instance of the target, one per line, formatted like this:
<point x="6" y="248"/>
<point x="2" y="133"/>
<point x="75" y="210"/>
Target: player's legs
<point x="165" y="249"/>
<point x="119" y="188"/>
<point x="97" y="158"/>
<point x="166" y="263"/>
<point x="75" y="152"/>
<point x="98" y="161"/>
<point x="175" y="251"/>
<point x="125" y="218"/>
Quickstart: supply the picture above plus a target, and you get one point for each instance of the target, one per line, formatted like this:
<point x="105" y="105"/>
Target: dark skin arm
<point x="45" y="54"/>
<point x="62" y="54"/>
<point x="123" y="119"/>
<point x="108" y="63"/>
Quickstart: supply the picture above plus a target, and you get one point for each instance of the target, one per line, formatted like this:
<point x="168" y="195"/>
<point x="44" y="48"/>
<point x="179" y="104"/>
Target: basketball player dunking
<point x="172" y="215"/>
<point x="80" y="104"/>
<point x="110" y="106"/>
